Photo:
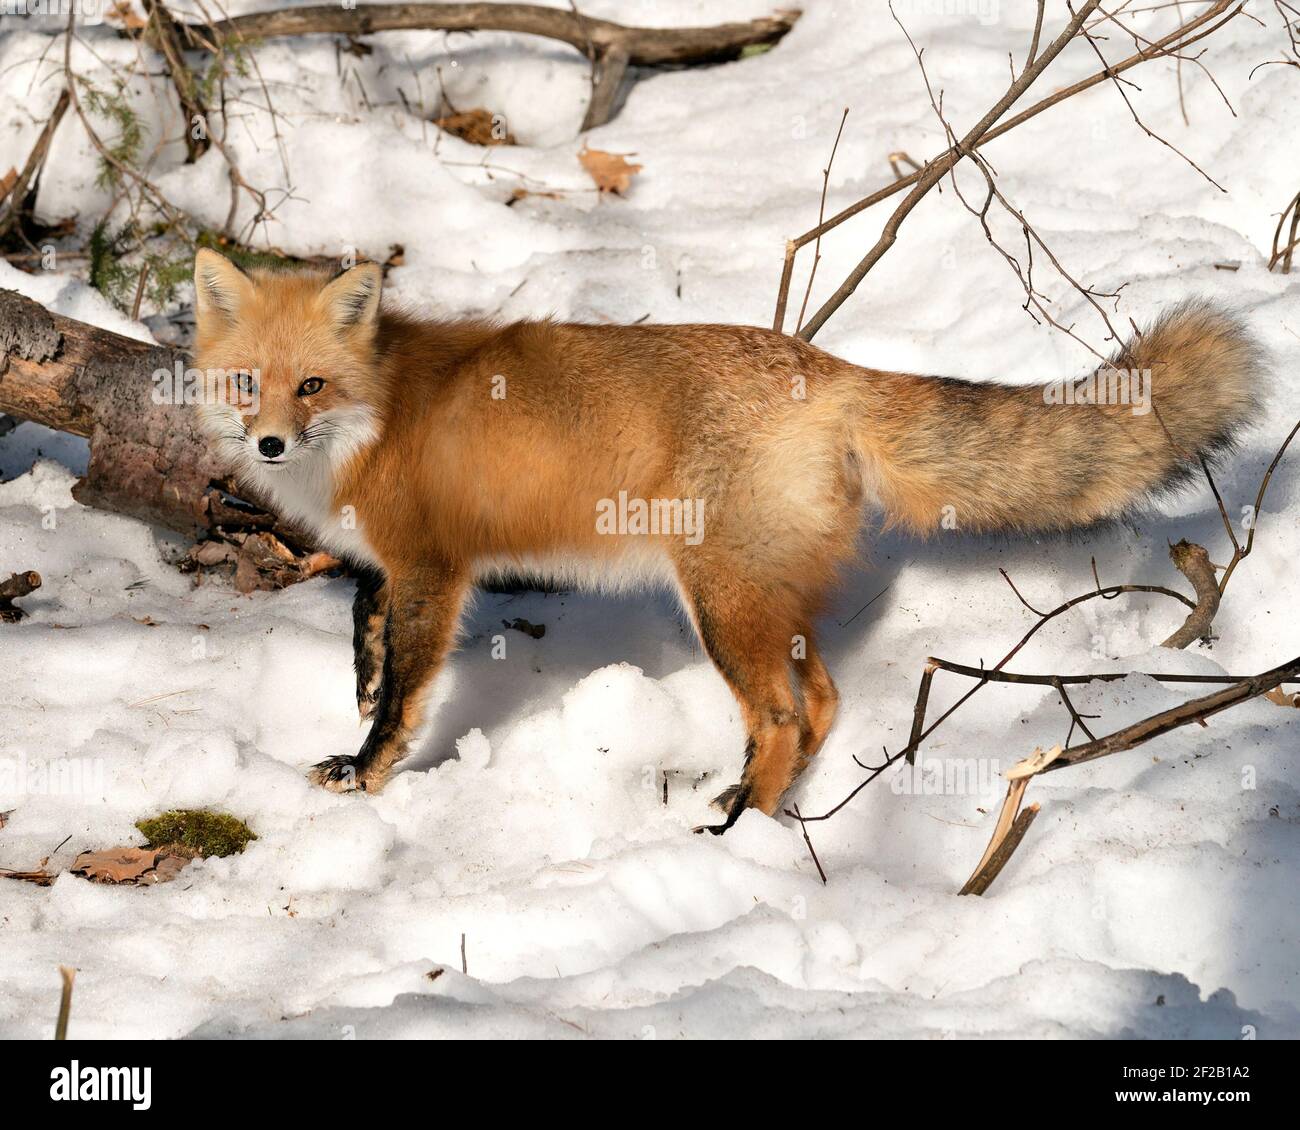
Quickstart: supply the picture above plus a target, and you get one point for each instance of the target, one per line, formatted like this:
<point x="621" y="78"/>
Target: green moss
<point x="207" y="833"/>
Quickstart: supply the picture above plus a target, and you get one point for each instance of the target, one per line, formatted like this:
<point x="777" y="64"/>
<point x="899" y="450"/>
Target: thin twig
<point x="1181" y="37"/>
<point x="811" y="850"/>
<point x="65" y="1002"/>
<point x="821" y="215"/>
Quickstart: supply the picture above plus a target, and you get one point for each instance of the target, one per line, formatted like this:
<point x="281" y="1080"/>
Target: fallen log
<point x="611" y="47"/>
<point x="147" y="458"/>
<point x="645" y="46"/>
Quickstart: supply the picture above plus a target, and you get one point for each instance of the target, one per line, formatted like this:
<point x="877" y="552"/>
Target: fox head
<point x="288" y="359"/>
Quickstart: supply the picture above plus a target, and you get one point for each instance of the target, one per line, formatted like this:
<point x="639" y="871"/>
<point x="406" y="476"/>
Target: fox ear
<point x="352" y="298"/>
<point x="220" y="288"/>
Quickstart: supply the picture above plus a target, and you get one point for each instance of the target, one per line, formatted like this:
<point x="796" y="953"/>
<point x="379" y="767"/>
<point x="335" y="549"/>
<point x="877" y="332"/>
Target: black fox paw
<point x="731" y="801"/>
<point x="338" y="774"/>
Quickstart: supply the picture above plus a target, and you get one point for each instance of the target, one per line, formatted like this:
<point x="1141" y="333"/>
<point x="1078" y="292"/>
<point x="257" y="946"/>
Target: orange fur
<point x="459" y="450"/>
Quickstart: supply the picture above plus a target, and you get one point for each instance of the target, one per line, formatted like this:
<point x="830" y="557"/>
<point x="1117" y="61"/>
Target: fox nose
<point x="271" y="446"/>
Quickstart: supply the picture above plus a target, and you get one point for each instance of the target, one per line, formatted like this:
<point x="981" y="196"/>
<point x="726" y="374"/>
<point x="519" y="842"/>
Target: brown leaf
<point x="477" y="126"/>
<point x="169" y="866"/>
<point x="130" y="865"/>
<point x="517" y="194"/>
<point x="116" y="865"/>
<point x="259" y="561"/>
<point x="40" y="878"/>
<point x="1283" y="698"/>
<point x="610" y="171"/>
<point x="211" y="553"/>
<point x="265" y="563"/>
<point x="122" y="13"/>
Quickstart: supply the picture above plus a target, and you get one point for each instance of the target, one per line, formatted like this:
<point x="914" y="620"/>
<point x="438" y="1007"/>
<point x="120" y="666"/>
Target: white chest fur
<point x="303" y="493"/>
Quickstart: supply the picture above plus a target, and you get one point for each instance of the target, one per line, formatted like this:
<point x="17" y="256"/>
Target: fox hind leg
<point x="818" y="694"/>
<point x="750" y="634"/>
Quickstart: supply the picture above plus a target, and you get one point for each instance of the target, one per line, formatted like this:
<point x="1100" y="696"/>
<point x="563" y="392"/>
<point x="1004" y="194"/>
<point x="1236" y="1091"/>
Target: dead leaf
<point x="40" y="878"/>
<point x="116" y="865"/>
<point x="477" y="126"/>
<point x="168" y="867"/>
<point x="518" y="194"/>
<point x="211" y="553"/>
<point x="1283" y="698"/>
<point x="265" y="563"/>
<point x="122" y="13"/>
<point x="610" y="171"/>
<point x="258" y="562"/>
<point x="130" y="865"/>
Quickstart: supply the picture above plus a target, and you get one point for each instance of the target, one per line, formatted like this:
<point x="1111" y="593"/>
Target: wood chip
<point x="1036" y="762"/>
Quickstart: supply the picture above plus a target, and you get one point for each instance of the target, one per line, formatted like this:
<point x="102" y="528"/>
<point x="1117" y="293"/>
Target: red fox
<point x="732" y="463"/>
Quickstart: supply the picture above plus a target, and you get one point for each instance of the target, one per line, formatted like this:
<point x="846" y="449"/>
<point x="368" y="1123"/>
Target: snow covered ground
<point x="1156" y="895"/>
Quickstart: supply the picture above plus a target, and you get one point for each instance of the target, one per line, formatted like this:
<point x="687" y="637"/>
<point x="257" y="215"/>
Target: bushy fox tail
<point x="1056" y="456"/>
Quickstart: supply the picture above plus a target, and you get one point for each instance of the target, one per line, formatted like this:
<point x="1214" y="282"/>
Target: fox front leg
<point x="369" y="612"/>
<point x="424" y="606"/>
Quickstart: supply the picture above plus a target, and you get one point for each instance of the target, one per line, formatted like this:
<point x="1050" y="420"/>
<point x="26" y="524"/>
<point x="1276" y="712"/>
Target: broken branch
<point x="22" y="189"/>
<point x="644" y="46"/>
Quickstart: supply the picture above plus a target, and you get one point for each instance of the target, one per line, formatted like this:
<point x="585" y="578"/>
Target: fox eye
<point x="244" y="381"/>
<point x="310" y="386"/>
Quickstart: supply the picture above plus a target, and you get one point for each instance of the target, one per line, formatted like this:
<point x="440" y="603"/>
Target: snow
<point x="1154" y="896"/>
